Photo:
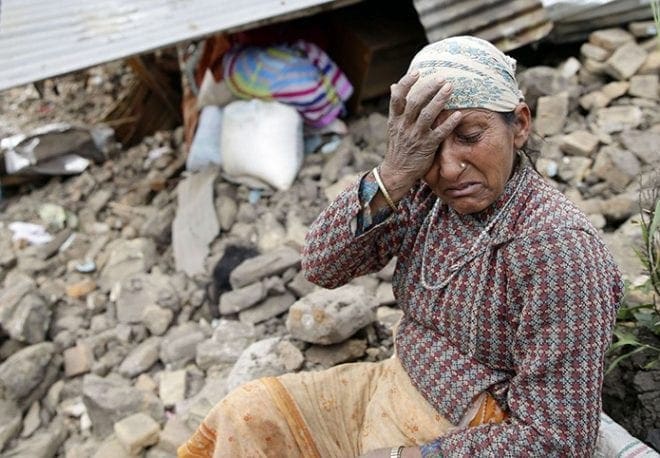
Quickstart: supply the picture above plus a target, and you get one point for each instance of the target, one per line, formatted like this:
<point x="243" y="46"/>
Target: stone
<point x="616" y="166"/>
<point x="388" y="317"/>
<point x="625" y="61"/>
<point x="645" y="86"/>
<point x="621" y="206"/>
<point x="157" y="319"/>
<point x="615" y="89"/>
<point x="195" y="224"/>
<point x="570" y="67"/>
<point x="642" y="143"/>
<point x="579" y="143"/>
<point x="137" y="432"/>
<point x="125" y="259"/>
<point x="42" y="445"/>
<point x="229" y="340"/>
<point x="619" y="118"/>
<point x="269" y="308"/>
<point x="227" y="209"/>
<point x="271" y="233"/>
<point x="385" y="294"/>
<point x="174" y="434"/>
<point x="145" y="383"/>
<point x="540" y="81"/>
<point x="241" y="298"/>
<point x="10" y="421"/>
<point x="591" y="51"/>
<point x="651" y="65"/>
<point x="112" y="448"/>
<point x="108" y="400"/>
<point x="158" y="225"/>
<point x="172" y="387"/>
<point x="611" y="38"/>
<point x="387" y="272"/>
<point x="573" y="169"/>
<point x="22" y="372"/>
<point x="266" y="358"/>
<point x="141" y="290"/>
<point x="642" y="29"/>
<point x="24" y="313"/>
<point x="141" y="358"/>
<point x="31" y="421"/>
<point x="338" y="160"/>
<point x="300" y="286"/>
<point x="180" y="343"/>
<point x="265" y="265"/>
<point x="77" y="360"/>
<point x="331" y="316"/>
<point x="551" y="114"/>
<point x="331" y="192"/>
<point x="81" y="288"/>
<point x="332" y="355"/>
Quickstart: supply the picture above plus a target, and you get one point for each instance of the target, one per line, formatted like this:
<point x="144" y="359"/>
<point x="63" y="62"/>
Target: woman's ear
<point x="523" y="125"/>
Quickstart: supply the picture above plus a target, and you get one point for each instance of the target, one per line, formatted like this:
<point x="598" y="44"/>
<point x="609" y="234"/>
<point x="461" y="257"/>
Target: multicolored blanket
<point x="301" y="75"/>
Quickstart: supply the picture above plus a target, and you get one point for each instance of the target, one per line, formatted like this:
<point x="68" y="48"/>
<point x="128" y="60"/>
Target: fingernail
<point x="456" y="115"/>
<point x="414" y="73"/>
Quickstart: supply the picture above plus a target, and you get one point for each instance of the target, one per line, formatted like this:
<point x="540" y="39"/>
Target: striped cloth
<point x="300" y="75"/>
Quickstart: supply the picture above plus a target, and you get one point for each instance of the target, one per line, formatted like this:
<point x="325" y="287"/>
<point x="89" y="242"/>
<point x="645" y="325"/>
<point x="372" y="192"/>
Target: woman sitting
<point x="508" y="293"/>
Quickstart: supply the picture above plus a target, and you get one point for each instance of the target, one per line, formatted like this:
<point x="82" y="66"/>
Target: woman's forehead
<point x="470" y="115"/>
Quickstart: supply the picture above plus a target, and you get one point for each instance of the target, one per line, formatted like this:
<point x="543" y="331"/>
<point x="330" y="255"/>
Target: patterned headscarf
<point x="482" y="76"/>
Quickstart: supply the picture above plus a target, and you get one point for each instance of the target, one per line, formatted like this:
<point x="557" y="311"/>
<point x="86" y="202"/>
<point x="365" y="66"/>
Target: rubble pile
<point x="160" y="289"/>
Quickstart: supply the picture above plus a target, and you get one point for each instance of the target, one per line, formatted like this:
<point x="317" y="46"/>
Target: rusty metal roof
<point x="44" y="38"/>
<point x="508" y="24"/>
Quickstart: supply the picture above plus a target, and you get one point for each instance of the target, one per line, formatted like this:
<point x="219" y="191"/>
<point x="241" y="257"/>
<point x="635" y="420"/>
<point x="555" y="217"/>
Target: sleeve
<point x="345" y="242"/>
<point x="567" y="289"/>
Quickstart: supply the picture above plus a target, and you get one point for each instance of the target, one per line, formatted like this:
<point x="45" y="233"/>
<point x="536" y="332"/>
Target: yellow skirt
<point x="341" y="412"/>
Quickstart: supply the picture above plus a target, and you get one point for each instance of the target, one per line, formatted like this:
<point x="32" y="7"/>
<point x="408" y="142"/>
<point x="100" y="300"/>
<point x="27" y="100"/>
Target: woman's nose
<point x="451" y="164"/>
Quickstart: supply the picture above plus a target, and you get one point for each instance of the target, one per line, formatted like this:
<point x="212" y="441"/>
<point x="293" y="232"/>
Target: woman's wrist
<point x="397" y="185"/>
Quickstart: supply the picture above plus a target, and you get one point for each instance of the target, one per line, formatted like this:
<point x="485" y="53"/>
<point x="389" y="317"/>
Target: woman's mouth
<point x="462" y="189"/>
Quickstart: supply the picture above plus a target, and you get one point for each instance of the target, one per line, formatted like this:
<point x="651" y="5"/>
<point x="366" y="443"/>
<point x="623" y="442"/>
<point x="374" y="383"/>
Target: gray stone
<point x="266" y="358"/>
<point x="229" y="340"/>
<point x="646" y="381"/>
<point x="42" y="445"/>
<point x="158" y="225"/>
<point x="139" y="291"/>
<point x="389" y="317"/>
<point x="336" y="161"/>
<point x="387" y="272"/>
<point x="593" y="52"/>
<point x="271" y="307"/>
<point x="579" y="143"/>
<point x="227" y="210"/>
<point x="180" y="344"/>
<point x="625" y="61"/>
<point x="141" y="358"/>
<point x="651" y="65"/>
<point x="77" y="360"/>
<point x="332" y="355"/>
<point x="108" y="400"/>
<point x="10" y="421"/>
<point x="300" y="286"/>
<point x="331" y="316"/>
<point x="22" y="372"/>
<point x="31" y="421"/>
<point x="642" y="29"/>
<point x="621" y="206"/>
<point x="265" y="265"/>
<point x="172" y="387"/>
<point x="645" y="86"/>
<point x="137" y="432"/>
<point x="611" y="38"/>
<point x="551" y="114"/>
<point x="615" y="89"/>
<point x="24" y="313"/>
<point x="616" y="166"/>
<point x="573" y="169"/>
<point x="241" y="298"/>
<point x="623" y="251"/>
<point x="540" y="81"/>
<point x="125" y="259"/>
<point x="157" y="319"/>
<point x="112" y="448"/>
<point x="271" y="233"/>
<point x="174" y="434"/>
<point x="618" y="118"/>
<point x="385" y="294"/>
<point x="643" y="143"/>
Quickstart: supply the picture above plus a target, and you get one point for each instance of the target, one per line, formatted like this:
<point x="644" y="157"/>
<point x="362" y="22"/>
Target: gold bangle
<point x="396" y="452"/>
<point x="383" y="190"/>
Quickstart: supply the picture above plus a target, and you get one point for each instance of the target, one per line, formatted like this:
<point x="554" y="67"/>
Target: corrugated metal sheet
<point x="44" y="38"/>
<point x="508" y="24"/>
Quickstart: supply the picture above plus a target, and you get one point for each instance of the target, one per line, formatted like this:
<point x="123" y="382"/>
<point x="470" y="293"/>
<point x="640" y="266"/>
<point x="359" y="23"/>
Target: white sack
<point x="263" y="140"/>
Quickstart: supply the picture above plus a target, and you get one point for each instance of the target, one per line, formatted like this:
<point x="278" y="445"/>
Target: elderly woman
<point x="508" y="293"/>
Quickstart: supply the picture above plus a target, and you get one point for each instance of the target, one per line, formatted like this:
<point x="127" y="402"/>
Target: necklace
<point x="484" y="233"/>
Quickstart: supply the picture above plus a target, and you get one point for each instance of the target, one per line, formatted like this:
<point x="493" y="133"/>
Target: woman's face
<point x="485" y="143"/>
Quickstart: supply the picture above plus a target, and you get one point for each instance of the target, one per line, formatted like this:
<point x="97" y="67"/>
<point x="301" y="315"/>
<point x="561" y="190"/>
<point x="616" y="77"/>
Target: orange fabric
<point x="489" y="412"/>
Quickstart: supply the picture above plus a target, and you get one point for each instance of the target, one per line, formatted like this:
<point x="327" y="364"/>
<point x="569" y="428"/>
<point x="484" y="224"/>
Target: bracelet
<point x="395" y="452"/>
<point x="383" y="189"/>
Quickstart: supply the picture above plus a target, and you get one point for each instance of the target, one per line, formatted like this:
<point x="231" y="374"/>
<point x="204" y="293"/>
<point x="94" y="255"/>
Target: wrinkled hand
<point x="414" y="138"/>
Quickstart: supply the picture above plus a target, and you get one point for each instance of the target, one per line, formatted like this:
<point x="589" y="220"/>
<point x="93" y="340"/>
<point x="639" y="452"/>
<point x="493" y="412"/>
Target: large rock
<point x="267" y="358"/>
<point x="551" y="114"/>
<point x="265" y="265"/>
<point x="42" y="445"/>
<point x="10" y="421"/>
<point x="125" y="259"/>
<point x="136" y="432"/>
<point x="109" y="400"/>
<point x="141" y="358"/>
<point x="625" y="61"/>
<point x="241" y="298"/>
<point x="616" y="166"/>
<point x="270" y="308"/>
<point x="611" y="38"/>
<point x="142" y="290"/>
<point x="331" y="316"/>
<point x="172" y="387"/>
<point x="23" y="371"/>
<point x="180" y="344"/>
<point x="643" y="143"/>
<point x="24" y="314"/>
<point x="331" y="355"/>
<point x="229" y="340"/>
<point x="618" y="118"/>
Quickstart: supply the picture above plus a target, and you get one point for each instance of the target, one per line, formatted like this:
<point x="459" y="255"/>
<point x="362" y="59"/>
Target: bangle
<point x="383" y="189"/>
<point x="396" y="452"/>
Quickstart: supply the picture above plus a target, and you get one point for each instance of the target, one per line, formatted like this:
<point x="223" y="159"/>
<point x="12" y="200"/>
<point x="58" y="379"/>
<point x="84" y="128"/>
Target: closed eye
<point x="470" y="138"/>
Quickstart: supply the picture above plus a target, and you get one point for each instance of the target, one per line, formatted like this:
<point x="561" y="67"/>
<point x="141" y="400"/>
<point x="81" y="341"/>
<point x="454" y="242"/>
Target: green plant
<point x="655" y="7"/>
<point x="631" y="319"/>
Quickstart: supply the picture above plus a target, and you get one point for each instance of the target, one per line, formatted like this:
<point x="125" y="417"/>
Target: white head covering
<point x="482" y="76"/>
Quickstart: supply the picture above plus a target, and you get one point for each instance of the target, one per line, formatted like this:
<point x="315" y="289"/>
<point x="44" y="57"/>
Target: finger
<point x="447" y="126"/>
<point x="421" y="98"/>
<point x="432" y="110"/>
<point x="400" y="90"/>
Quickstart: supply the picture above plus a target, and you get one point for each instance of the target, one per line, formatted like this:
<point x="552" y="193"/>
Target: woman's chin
<point x="467" y="205"/>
